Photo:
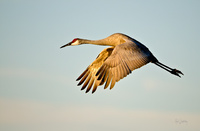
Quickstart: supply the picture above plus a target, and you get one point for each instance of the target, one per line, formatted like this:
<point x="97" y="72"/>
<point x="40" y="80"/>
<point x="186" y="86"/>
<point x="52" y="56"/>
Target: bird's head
<point x="75" y="41"/>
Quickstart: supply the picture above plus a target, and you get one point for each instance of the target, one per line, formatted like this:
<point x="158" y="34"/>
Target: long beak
<point x="66" y="45"/>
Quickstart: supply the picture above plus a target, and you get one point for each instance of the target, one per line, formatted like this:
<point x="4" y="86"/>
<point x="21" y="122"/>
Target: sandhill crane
<point x="116" y="62"/>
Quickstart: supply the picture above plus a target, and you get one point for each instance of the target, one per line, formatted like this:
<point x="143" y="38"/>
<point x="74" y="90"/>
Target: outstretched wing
<point x="113" y="64"/>
<point x="124" y="59"/>
<point x="88" y="77"/>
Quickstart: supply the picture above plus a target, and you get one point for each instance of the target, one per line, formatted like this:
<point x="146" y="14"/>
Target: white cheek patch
<point x="75" y="43"/>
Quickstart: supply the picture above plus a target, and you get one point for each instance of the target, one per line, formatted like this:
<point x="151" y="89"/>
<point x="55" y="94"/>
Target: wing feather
<point x="83" y="78"/>
<point x="86" y="82"/>
<point x="90" y="84"/>
<point x="105" y="77"/>
<point x="94" y="87"/>
<point x="113" y="79"/>
<point x="117" y="73"/>
<point x="82" y="75"/>
<point x="121" y="71"/>
<point x="108" y="80"/>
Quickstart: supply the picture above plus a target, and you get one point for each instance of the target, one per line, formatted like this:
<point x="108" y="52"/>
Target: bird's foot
<point x="176" y="72"/>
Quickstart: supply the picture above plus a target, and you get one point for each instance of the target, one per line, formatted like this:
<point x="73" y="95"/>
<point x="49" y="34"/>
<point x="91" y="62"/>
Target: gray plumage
<point x="116" y="62"/>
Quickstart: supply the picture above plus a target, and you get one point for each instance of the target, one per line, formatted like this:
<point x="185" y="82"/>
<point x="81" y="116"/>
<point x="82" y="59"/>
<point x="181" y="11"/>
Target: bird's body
<point x="116" y="62"/>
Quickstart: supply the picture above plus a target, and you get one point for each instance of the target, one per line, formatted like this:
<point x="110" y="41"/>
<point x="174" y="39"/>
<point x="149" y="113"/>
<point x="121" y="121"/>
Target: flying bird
<point x="124" y="55"/>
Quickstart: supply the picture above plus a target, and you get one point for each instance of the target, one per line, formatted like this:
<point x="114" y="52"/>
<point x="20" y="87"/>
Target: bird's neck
<point x="104" y="42"/>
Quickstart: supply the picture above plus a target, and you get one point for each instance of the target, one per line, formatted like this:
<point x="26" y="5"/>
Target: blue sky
<point x="37" y="79"/>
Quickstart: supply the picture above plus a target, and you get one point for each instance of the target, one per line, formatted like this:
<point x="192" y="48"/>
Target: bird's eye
<point x="74" y="40"/>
